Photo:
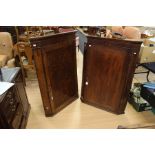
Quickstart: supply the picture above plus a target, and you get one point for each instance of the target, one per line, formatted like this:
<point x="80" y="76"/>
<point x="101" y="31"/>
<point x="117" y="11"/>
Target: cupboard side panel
<point x="42" y="81"/>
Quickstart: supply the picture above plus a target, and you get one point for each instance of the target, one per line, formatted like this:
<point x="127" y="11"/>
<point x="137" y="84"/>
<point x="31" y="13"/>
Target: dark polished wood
<point x="108" y="70"/>
<point x="55" y="61"/>
<point x="14" y="105"/>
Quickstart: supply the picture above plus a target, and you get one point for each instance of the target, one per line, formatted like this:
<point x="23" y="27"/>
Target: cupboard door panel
<point x="108" y="67"/>
<point x="61" y="71"/>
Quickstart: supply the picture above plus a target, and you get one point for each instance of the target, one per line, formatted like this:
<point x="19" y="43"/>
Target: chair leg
<point x="147" y="76"/>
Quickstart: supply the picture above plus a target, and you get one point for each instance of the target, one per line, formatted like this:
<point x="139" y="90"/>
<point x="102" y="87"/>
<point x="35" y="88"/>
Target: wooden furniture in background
<point x="24" y="33"/>
<point x="25" y="48"/>
<point x="55" y="61"/>
<point x="24" y="52"/>
<point x="108" y="70"/>
<point x="14" y="105"/>
<point x="92" y="30"/>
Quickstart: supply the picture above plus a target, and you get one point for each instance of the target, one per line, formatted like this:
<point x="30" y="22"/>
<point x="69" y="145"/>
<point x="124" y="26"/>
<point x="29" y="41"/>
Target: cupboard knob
<point x="134" y="53"/>
<point x="89" y="45"/>
<point x="34" y="45"/>
<point x="86" y="82"/>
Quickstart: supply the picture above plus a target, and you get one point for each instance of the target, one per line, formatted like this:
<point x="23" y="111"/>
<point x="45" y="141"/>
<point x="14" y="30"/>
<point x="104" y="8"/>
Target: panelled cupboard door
<point x="108" y="70"/>
<point x="55" y="60"/>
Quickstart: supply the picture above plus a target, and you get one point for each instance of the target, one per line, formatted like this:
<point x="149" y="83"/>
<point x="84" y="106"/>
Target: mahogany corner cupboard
<point x="108" y="70"/>
<point x="55" y="61"/>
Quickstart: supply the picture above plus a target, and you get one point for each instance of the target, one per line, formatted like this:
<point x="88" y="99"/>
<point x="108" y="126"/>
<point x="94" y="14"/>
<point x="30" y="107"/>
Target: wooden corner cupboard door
<point x="55" y="61"/>
<point x="108" y="71"/>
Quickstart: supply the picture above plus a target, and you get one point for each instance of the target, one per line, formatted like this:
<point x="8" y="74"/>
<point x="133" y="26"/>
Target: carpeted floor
<point x="78" y="114"/>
